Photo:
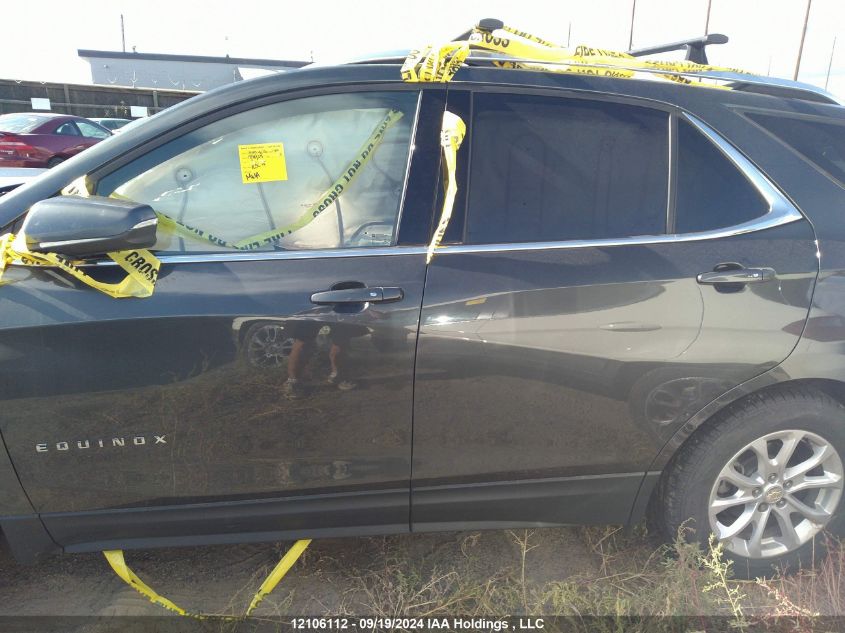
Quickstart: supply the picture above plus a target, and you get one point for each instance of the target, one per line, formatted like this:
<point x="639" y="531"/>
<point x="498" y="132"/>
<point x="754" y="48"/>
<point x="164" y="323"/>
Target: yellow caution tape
<point x="141" y="267"/>
<point x="278" y="573"/>
<point x="335" y="191"/>
<point x="533" y="53"/>
<point x="118" y="564"/>
<point x="435" y="64"/>
<point x="451" y="136"/>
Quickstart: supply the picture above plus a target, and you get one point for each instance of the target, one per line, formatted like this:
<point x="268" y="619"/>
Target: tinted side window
<point x="823" y="144"/>
<point x="313" y="173"/>
<point x="712" y="192"/>
<point x="552" y="169"/>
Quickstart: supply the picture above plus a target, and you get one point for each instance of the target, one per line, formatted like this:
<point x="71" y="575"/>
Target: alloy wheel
<point x="775" y="494"/>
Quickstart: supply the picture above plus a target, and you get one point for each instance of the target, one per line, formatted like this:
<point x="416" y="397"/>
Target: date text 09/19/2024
<point x="421" y="624"/>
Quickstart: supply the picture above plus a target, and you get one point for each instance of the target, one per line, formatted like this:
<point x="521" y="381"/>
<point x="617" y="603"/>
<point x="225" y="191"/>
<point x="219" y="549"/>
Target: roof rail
<point x="694" y="47"/>
<point x="758" y="84"/>
<point x="737" y="81"/>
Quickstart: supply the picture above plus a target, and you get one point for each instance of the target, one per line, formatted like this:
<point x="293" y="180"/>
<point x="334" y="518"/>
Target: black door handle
<point x="737" y="276"/>
<point x="358" y="295"/>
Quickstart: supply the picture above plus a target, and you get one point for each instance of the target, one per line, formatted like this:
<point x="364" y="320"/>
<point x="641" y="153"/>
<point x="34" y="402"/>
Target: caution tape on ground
<point x="451" y="136"/>
<point x="118" y="564"/>
<point x="140" y="265"/>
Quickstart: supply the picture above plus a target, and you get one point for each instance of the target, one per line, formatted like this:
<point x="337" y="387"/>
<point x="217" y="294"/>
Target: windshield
<point x="20" y="123"/>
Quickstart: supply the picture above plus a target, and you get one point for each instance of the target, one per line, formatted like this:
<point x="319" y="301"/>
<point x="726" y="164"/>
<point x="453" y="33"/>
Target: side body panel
<point x="551" y="376"/>
<point x="169" y="419"/>
<point x="110" y="405"/>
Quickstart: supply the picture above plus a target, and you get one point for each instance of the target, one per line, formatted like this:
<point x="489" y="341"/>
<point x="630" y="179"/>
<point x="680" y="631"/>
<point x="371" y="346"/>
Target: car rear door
<point x="258" y="393"/>
<point x="620" y="266"/>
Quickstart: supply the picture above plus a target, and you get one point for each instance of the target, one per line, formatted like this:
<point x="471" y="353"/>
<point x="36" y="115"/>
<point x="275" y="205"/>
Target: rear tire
<point x="56" y="160"/>
<point x="766" y="478"/>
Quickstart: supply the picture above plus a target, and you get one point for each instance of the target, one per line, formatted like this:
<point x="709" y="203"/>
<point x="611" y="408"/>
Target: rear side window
<point x="712" y="192"/>
<point x="21" y="123"/>
<point x="552" y="169"/>
<point x="823" y="144"/>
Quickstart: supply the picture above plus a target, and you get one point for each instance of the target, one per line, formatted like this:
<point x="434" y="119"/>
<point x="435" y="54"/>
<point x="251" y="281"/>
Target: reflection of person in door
<point x="304" y="334"/>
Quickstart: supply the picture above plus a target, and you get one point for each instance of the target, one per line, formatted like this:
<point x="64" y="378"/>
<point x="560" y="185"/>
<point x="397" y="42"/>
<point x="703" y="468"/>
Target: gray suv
<point x="639" y="302"/>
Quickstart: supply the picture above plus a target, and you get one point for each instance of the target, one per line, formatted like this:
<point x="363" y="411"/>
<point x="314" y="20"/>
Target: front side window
<point x="67" y="129"/>
<point x="90" y="130"/>
<point x="552" y="169"/>
<point x="712" y="192"/>
<point x="311" y="173"/>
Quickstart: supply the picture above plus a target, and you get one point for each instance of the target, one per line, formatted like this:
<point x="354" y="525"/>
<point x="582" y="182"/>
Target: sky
<point x="40" y="39"/>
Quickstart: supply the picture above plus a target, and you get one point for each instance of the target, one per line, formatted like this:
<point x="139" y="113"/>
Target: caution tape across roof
<point x="529" y="52"/>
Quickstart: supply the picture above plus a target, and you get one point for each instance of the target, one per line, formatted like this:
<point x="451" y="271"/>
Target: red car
<point x="29" y="139"/>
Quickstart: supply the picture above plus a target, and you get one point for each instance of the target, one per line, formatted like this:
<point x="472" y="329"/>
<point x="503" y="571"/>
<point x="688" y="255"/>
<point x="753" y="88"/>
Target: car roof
<point x="708" y="104"/>
<point x="46" y="115"/>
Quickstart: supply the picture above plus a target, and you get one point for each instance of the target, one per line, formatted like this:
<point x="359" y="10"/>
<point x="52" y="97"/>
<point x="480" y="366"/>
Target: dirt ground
<point x="355" y="576"/>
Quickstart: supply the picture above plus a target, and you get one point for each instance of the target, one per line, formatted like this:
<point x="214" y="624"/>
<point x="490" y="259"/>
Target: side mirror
<point x="73" y="225"/>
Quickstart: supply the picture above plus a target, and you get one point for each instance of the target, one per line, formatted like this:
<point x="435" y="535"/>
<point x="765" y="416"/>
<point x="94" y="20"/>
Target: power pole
<point x="122" y="33"/>
<point x="830" y="63"/>
<point x="569" y="35"/>
<point x="801" y="46"/>
<point x="707" y="19"/>
<point x="631" y="34"/>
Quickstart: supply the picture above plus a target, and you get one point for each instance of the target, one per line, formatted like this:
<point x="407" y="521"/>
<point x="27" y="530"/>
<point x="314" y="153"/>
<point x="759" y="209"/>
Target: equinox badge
<point x="115" y="442"/>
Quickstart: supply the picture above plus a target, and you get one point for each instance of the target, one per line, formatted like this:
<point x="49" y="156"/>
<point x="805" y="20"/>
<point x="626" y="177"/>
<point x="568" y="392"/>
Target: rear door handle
<point x="358" y="295"/>
<point x="737" y="276"/>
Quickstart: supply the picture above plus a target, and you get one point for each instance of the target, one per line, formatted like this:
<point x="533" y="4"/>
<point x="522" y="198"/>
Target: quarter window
<point x="712" y="192"/>
<point x="551" y="169"/>
<point x="312" y="173"/>
<point x="823" y="144"/>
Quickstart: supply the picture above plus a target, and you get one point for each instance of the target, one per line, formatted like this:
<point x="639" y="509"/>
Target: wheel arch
<point x="712" y="412"/>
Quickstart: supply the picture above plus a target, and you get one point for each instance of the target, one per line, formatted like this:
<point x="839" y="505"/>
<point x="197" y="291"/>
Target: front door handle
<point x="737" y="276"/>
<point x="358" y="295"/>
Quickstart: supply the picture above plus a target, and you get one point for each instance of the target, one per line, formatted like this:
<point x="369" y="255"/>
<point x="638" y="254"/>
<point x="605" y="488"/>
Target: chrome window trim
<point x="781" y="211"/>
<point x="254" y="256"/>
<point x="412" y="146"/>
<point x="364" y="251"/>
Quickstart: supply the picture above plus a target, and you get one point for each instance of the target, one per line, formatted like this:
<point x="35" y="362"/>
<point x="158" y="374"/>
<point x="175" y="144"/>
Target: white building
<point x="176" y="72"/>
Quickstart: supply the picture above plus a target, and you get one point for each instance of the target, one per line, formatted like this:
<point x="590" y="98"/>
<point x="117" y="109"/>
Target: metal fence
<point x="85" y="100"/>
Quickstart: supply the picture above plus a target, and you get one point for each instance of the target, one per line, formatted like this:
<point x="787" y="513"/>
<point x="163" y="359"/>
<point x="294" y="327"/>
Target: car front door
<point x="65" y="140"/>
<point x="91" y="133"/>
<point x="620" y="266"/>
<point x="266" y="387"/>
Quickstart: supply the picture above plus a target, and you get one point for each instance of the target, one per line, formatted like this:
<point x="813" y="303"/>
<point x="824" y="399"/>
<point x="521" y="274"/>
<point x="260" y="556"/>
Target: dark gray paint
<point x="510" y="415"/>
